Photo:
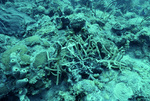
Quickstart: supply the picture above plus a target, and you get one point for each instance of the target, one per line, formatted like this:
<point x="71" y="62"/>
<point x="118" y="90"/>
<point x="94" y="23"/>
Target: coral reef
<point x="74" y="50"/>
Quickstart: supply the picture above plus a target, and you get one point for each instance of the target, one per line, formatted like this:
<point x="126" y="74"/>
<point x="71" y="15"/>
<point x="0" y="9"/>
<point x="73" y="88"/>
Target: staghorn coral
<point x="75" y="54"/>
<point x="113" y="60"/>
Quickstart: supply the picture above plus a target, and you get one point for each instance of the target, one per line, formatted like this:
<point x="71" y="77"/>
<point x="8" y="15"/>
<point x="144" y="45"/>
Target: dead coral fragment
<point x="113" y="59"/>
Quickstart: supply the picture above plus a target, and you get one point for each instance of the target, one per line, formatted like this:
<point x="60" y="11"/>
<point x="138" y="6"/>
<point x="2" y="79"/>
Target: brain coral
<point x="122" y="92"/>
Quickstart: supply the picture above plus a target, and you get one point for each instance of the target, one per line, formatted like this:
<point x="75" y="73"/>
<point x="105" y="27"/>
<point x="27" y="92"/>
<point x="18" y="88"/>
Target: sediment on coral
<point x="72" y="50"/>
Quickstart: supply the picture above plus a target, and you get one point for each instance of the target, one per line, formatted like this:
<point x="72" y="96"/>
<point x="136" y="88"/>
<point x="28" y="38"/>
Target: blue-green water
<point x="74" y="50"/>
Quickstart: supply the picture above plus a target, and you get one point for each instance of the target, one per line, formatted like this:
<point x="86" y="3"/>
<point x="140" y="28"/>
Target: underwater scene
<point x="74" y="50"/>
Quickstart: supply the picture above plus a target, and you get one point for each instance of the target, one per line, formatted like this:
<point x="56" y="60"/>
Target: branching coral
<point x="113" y="60"/>
<point x="85" y="54"/>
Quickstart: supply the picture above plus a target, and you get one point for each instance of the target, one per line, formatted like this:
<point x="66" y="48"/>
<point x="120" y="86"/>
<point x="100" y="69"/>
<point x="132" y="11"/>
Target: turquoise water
<point x="74" y="50"/>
